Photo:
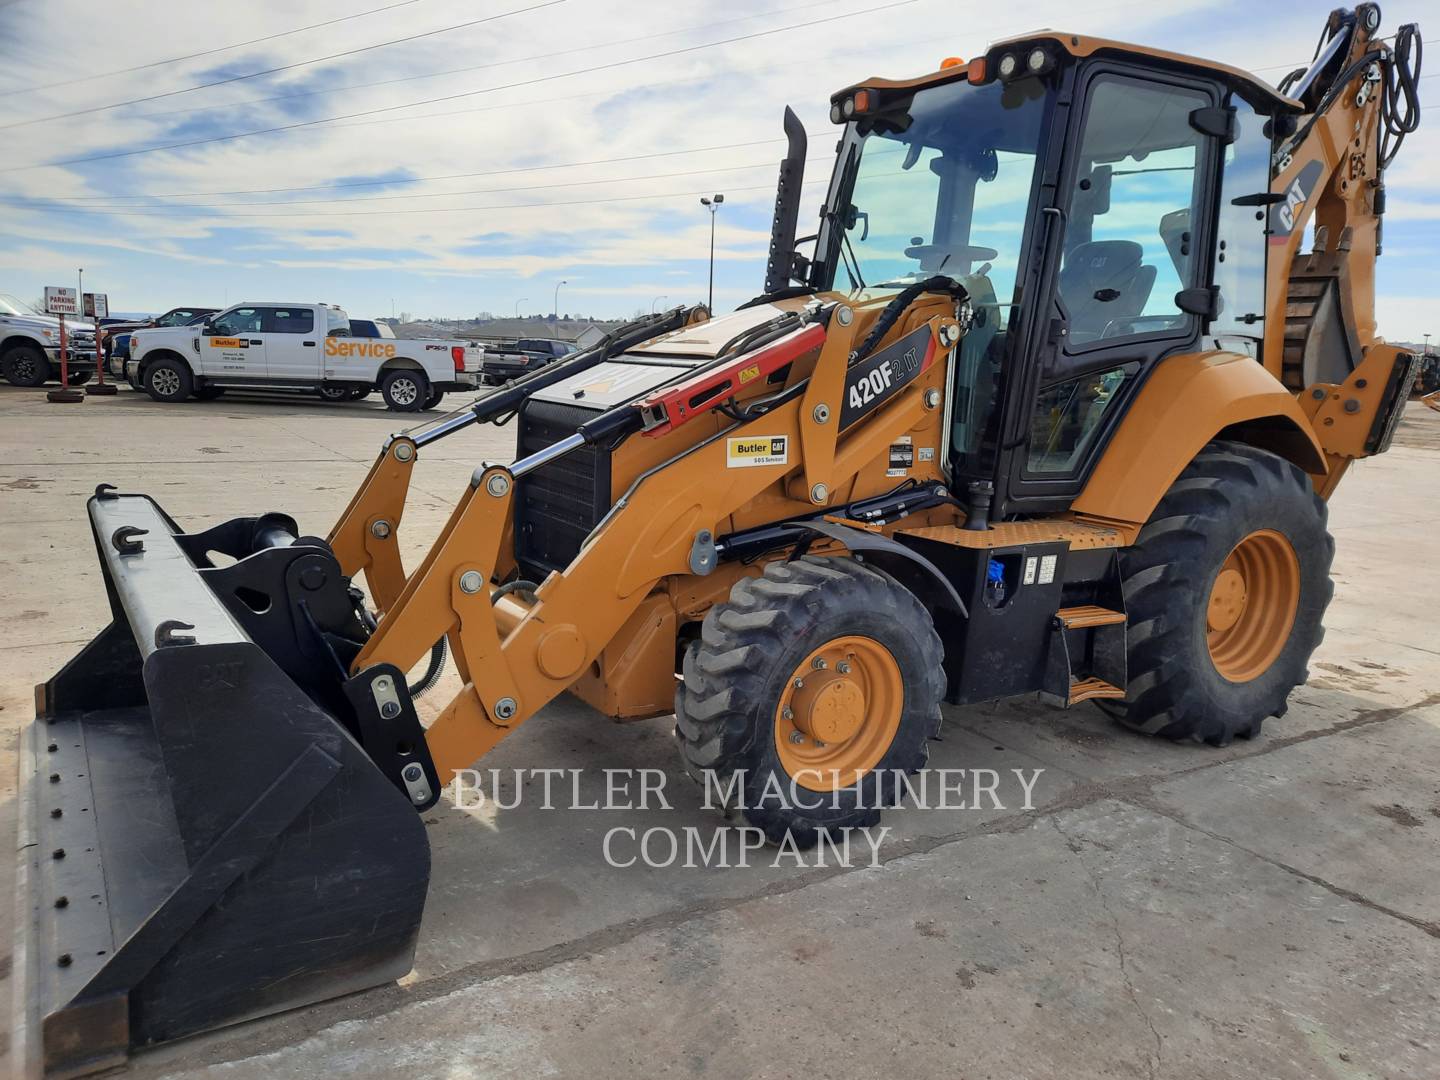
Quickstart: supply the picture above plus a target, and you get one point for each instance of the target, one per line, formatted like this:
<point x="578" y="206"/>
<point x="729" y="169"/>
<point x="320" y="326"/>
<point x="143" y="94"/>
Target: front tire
<point x="168" y="381"/>
<point x="1226" y="589"/>
<point x="25" y="365"/>
<point x="404" y="390"/>
<point x="825" y="754"/>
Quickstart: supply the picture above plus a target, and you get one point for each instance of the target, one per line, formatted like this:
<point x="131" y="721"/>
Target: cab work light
<point x="853" y="104"/>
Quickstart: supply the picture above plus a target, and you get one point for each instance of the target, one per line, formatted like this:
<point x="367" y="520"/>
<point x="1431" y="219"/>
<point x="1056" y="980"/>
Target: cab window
<point x="238" y="321"/>
<point x="1128" y="245"/>
<point x="291" y="321"/>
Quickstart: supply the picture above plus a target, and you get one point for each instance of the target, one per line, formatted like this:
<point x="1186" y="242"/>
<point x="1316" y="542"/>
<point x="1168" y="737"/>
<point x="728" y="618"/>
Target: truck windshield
<point x="939" y="185"/>
<point x="10" y="305"/>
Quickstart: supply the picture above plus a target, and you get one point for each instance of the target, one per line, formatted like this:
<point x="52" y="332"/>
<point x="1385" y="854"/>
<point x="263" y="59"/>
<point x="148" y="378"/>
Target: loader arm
<point x="663" y="526"/>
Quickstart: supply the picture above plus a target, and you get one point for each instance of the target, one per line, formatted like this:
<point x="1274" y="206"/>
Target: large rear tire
<point x="819" y="684"/>
<point x="1226" y="588"/>
<point x="25" y="365"/>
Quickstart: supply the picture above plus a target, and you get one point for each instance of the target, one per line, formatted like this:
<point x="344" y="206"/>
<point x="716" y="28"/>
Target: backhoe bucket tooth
<point x="201" y="843"/>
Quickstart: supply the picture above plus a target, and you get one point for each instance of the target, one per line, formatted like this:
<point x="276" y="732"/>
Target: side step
<point x="1086" y="689"/>
<point x="1088" y="615"/>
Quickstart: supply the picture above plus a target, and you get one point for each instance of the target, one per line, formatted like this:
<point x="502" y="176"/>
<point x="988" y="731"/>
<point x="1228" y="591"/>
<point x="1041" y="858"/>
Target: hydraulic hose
<point x="903" y="299"/>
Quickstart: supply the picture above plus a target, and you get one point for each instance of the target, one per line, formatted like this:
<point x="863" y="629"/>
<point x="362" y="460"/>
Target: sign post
<point x="61" y="302"/>
<point x="97" y="307"/>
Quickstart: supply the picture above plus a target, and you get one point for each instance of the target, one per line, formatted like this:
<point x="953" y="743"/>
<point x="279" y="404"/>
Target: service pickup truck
<point x="510" y="360"/>
<point x="30" y="345"/>
<point x="305" y="347"/>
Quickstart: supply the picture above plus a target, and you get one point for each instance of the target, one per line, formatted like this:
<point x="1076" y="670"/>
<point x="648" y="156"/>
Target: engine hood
<point x="40" y="323"/>
<point x="704" y="340"/>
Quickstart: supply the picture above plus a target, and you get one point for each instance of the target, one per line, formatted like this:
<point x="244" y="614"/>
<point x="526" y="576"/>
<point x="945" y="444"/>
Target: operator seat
<point x="1102" y="281"/>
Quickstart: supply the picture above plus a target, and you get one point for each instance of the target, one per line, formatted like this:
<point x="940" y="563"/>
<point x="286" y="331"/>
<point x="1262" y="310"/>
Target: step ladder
<point x="1087" y="655"/>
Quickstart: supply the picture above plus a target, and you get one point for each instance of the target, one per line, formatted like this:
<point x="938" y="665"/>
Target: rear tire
<point x="168" y="381"/>
<point x="25" y="365"/>
<point x="404" y="390"/>
<point x="1226" y="589"/>
<point x="433" y="401"/>
<point x="739" y="684"/>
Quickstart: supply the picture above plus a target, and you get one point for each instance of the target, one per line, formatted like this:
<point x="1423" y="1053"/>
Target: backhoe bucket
<point x="201" y="842"/>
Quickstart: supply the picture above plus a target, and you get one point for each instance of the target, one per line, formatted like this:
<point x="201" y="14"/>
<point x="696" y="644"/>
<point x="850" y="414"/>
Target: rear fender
<point x="1190" y="400"/>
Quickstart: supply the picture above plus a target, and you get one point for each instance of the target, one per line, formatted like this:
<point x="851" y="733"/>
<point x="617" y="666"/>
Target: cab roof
<point x="1260" y="94"/>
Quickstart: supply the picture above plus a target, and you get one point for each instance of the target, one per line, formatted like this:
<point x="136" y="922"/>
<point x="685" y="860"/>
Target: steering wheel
<point x="936" y="254"/>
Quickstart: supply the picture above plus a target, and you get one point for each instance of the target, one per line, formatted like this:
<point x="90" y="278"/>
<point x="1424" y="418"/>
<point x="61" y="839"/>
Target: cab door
<point x="293" y="344"/>
<point x="1129" y="271"/>
<point x="233" y="345"/>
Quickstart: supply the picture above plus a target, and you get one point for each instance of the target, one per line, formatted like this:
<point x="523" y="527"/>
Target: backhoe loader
<point x="1052" y="406"/>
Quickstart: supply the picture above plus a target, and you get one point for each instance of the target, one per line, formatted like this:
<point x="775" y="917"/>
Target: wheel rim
<point x="166" y="382"/>
<point x="25" y="368"/>
<point x="1252" y="605"/>
<point x="839" y="713"/>
<point x="404" y="391"/>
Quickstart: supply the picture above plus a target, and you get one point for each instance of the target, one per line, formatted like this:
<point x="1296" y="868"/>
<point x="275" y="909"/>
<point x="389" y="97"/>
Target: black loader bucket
<point x="204" y="838"/>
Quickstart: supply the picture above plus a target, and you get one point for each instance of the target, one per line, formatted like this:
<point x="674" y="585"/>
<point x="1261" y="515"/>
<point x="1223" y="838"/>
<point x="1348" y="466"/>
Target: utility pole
<point x="713" y="204"/>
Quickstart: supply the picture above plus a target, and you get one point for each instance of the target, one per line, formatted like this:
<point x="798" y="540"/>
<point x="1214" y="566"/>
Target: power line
<point x="282" y="67"/>
<point x="614" y="64"/>
<point x="38" y="202"/>
<point x="443" y="209"/>
<point x="589" y="48"/>
<point x="208" y="52"/>
<point x="426" y="179"/>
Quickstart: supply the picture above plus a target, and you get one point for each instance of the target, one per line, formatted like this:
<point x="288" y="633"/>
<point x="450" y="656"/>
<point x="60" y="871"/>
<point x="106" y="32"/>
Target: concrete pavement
<point x="1162" y="910"/>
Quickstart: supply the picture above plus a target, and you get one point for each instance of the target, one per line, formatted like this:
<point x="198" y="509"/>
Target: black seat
<point x="1102" y="281"/>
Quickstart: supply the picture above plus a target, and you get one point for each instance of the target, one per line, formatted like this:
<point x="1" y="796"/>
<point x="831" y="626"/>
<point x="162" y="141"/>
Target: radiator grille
<point x="557" y="505"/>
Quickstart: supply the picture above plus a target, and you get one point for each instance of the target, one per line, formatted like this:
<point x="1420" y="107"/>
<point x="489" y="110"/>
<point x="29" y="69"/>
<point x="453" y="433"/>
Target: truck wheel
<point x="811" y="690"/>
<point x="25" y="365"/>
<point x="1225" y="587"/>
<point x="168" y="380"/>
<point x="404" y="390"/>
<point x="433" y="401"/>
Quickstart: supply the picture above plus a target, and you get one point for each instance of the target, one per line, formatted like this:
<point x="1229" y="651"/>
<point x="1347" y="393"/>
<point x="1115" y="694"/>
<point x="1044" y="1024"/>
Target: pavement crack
<point x="1153" y="1063"/>
<point x="1147" y="801"/>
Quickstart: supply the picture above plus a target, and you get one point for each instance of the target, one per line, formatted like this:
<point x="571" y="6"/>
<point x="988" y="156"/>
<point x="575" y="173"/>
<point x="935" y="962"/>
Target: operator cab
<point x="1068" y="184"/>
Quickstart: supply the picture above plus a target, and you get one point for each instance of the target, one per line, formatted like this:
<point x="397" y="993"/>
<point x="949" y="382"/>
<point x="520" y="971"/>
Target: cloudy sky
<point x="205" y="154"/>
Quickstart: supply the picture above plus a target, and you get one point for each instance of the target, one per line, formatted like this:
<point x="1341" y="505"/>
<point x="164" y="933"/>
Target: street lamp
<point x="655" y="304"/>
<point x="555" y="313"/>
<point x="1427" y="344"/>
<point x="80" y="292"/>
<point x="522" y="300"/>
<point x="713" y="204"/>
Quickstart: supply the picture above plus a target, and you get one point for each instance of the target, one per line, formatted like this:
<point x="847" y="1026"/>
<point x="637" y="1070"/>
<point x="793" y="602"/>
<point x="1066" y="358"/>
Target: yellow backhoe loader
<point x="1052" y="405"/>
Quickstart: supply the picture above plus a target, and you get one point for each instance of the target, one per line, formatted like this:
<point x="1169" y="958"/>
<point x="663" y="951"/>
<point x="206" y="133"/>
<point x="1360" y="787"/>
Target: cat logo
<point x="757" y="450"/>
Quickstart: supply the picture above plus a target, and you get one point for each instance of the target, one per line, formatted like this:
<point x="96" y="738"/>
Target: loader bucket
<point x="201" y="842"/>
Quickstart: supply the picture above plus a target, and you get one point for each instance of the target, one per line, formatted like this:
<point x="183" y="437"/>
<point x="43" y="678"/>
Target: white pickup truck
<point x="309" y="347"/>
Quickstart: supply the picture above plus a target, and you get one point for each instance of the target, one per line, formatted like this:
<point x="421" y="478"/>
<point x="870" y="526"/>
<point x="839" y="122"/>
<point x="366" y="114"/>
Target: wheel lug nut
<point x="799" y="684"/>
<point x="818" y="663"/>
<point x="796" y="737"/>
<point x="787" y="713"/>
<point x="843" y="667"/>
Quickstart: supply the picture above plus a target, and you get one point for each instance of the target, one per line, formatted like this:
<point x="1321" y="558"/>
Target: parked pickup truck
<point x="30" y="345"/>
<point x="306" y="347"/>
<point x="118" y="331"/>
<point x="507" y="361"/>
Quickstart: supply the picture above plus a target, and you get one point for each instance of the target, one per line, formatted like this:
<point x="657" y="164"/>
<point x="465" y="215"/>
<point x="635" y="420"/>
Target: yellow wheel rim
<point x="838" y="713"/>
<point x="1252" y="605"/>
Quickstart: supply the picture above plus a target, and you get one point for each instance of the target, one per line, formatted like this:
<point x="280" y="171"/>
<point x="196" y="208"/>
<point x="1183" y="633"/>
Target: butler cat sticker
<point x="757" y="450"/>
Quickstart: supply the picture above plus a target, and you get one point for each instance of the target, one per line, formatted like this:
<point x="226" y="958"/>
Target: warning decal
<point x="757" y="450"/>
<point x="901" y="457"/>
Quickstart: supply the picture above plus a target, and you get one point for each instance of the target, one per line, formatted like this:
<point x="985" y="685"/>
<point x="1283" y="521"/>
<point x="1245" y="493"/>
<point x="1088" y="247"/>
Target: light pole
<point x="80" y="291"/>
<point x="655" y="304"/>
<point x="1427" y="344"/>
<point x="713" y="204"/>
<point x="555" y="311"/>
<point x="522" y="300"/>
